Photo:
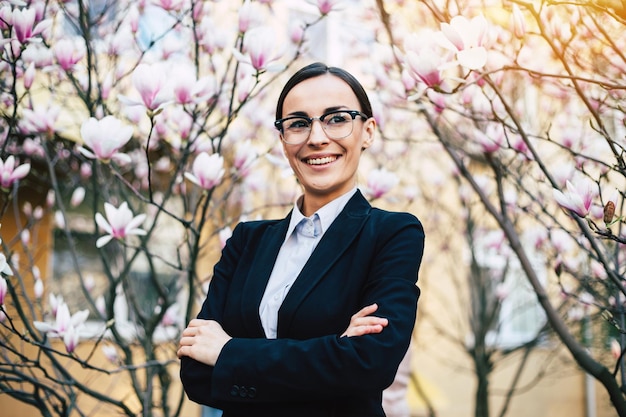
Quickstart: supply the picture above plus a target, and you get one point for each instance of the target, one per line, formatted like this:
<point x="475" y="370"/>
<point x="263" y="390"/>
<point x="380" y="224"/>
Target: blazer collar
<point x="261" y="268"/>
<point x="335" y="241"/>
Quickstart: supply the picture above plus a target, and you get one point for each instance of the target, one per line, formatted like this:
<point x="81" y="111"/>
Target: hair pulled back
<point x="315" y="70"/>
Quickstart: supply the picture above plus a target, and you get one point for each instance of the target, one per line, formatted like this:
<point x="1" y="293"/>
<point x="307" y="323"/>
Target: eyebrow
<point x="326" y="110"/>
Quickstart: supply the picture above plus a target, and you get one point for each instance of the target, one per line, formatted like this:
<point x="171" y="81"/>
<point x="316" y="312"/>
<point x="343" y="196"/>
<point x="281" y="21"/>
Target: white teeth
<point x="321" y="161"/>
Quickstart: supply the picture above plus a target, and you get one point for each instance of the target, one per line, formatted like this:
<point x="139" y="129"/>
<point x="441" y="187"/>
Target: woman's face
<point x="326" y="167"/>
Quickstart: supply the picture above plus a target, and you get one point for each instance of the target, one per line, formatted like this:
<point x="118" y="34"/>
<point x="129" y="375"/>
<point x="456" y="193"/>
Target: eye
<point x="297" y="124"/>
<point x="336" y="118"/>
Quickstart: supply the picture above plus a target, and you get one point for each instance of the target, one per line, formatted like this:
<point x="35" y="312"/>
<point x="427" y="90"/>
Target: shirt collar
<point x="327" y="214"/>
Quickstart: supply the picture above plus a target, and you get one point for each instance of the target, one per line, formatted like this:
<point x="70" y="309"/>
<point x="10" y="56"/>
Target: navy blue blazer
<point x="366" y="256"/>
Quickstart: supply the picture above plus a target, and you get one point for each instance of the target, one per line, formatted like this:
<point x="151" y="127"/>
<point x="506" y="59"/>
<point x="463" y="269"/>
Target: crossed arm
<point x="203" y="340"/>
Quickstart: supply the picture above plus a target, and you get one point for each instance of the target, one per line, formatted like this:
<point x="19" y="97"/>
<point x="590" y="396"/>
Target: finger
<point x="363" y="330"/>
<point x="182" y="351"/>
<point x="373" y="321"/>
<point x="198" y="322"/>
<point x="189" y="331"/>
<point x="370" y="329"/>
<point x="366" y="311"/>
<point x="186" y="341"/>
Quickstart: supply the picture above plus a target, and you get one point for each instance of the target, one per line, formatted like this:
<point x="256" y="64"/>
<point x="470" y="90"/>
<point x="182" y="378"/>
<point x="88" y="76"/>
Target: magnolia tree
<point x="526" y="99"/>
<point x="146" y="129"/>
<point x="139" y="133"/>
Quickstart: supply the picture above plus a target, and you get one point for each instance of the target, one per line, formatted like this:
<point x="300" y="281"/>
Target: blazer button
<point x="243" y="392"/>
<point x="251" y="392"/>
<point x="234" y="390"/>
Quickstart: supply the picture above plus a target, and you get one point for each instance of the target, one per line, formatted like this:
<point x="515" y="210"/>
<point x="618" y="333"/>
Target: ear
<point x="369" y="129"/>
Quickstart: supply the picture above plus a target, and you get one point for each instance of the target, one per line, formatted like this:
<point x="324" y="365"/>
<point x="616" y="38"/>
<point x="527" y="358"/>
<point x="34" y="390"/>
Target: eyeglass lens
<point x="336" y="125"/>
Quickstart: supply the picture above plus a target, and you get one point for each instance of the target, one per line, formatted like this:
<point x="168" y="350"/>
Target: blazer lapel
<point x="335" y="241"/>
<point x="261" y="269"/>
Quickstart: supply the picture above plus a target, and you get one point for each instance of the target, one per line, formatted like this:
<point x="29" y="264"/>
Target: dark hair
<point x="315" y="70"/>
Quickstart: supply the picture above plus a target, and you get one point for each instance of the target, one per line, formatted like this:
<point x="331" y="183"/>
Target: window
<point x="520" y="318"/>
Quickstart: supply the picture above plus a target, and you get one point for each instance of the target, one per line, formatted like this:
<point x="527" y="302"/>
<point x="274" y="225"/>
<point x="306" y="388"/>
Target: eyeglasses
<point x="336" y="124"/>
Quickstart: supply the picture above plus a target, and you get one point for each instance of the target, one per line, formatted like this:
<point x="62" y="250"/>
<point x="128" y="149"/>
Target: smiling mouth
<point x="321" y="161"/>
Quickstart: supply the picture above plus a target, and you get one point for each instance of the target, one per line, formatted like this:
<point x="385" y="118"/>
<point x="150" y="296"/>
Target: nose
<point x="317" y="135"/>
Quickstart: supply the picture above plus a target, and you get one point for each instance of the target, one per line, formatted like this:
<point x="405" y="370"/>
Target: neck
<point x="310" y="205"/>
<point x="310" y="202"/>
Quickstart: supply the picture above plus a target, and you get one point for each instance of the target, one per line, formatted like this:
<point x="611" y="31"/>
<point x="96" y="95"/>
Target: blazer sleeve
<point x="332" y="366"/>
<point x="197" y="377"/>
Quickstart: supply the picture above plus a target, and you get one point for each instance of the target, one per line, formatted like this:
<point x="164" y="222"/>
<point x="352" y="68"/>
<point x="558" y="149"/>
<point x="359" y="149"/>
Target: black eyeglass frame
<point x="278" y="124"/>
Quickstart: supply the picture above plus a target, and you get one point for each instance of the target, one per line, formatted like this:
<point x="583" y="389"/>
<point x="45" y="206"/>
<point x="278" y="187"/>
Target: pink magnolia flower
<point x="169" y="5"/>
<point x="71" y="339"/>
<point x="492" y="140"/>
<point x="23" y="22"/>
<point x="424" y="58"/>
<point x="425" y="66"/>
<point x="65" y="325"/>
<point x="502" y="291"/>
<point x="38" y="289"/>
<point x="224" y="234"/>
<point x="408" y="81"/>
<point x="466" y="36"/>
<point x="183" y="86"/>
<point x="55" y="301"/>
<point x="119" y="223"/>
<point x="4" y="288"/>
<point x="586" y="298"/>
<point x="6" y="18"/>
<point x="133" y="17"/>
<point x="101" y="305"/>
<point x="488" y="144"/>
<point x="325" y="6"/>
<point x="518" y="24"/>
<point x="170" y="318"/>
<point x="597" y="270"/>
<point x="187" y="89"/>
<point x="29" y="76"/>
<point x="296" y="32"/>
<point x="245" y="156"/>
<point x="616" y="349"/>
<point x="40" y="119"/>
<point x="259" y="48"/>
<point x="105" y="137"/>
<point x="576" y="313"/>
<point x="207" y="170"/>
<point x="25" y="237"/>
<point x="561" y="241"/>
<point x="68" y="53"/>
<point x="38" y="54"/>
<point x="10" y="172"/>
<point x="150" y="82"/>
<point x="577" y="198"/>
<point x="110" y="352"/>
<point x="59" y="219"/>
<point x="380" y="181"/>
<point x="248" y="16"/>
<point x="77" y="197"/>
<point x="24" y="28"/>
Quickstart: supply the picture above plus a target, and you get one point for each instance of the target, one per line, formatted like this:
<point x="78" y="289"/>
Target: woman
<point x="288" y="325"/>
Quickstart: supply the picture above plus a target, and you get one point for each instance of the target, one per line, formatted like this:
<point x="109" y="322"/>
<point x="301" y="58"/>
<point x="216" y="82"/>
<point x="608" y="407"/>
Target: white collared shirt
<point x="293" y="255"/>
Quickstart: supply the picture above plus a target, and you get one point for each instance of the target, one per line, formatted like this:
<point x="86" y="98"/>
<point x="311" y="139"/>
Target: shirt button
<point x="234" y="390"/>
<point x="251" y="392"/>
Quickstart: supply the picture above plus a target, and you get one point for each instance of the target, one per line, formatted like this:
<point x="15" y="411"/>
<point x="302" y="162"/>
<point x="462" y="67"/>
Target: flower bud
<point x="609" y="212"/>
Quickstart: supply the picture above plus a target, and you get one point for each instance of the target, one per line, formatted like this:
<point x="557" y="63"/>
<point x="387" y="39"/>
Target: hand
<point x="364" y="323"/>
<point x="203" y="341"/>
